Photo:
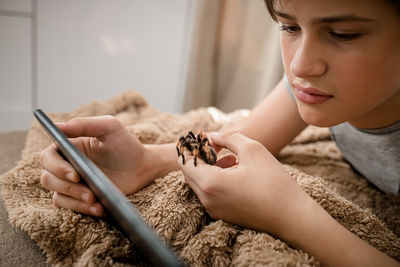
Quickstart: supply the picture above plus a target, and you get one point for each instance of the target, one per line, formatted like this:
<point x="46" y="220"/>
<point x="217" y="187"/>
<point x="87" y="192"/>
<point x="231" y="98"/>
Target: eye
<point x="289" y="28"/>
<point x="344" y="36"/>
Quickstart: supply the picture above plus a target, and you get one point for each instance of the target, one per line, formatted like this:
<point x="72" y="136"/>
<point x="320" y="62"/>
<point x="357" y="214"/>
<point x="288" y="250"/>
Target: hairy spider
<point x="198" y="145"/>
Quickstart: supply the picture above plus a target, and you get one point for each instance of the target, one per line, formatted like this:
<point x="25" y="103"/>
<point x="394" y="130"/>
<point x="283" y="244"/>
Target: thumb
<point x="236" y="142"/>
<point x="88" y="126"/>
<point x="210" y="137"/>
<point x="92" y="135"/>
<point x="227" y="140"/>
<point x="213" y="137"/>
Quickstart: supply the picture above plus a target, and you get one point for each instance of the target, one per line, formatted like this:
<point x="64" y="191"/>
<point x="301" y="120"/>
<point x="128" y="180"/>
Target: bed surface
<point x="68" y="238"/>
<point x="16" y="248"/>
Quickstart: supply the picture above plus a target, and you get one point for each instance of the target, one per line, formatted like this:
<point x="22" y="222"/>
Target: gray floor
<point x="16" y="248"/>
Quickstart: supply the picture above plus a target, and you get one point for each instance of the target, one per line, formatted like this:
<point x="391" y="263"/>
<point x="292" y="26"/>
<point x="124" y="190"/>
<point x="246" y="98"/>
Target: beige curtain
<point x="235" y="57"/>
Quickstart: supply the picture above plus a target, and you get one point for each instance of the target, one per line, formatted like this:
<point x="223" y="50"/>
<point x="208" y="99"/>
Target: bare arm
<point x="316" y="232"/>
<point x="274" y="122"/>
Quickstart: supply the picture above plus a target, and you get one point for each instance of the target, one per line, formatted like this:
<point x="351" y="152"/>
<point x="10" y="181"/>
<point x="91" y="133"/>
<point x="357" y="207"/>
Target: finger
<point x="234" y="141"/>
<point x="74" y="190"/>
<point x="189" y="170"/>
<point x="67" y="202"/>
<point x="56" y="164"/>
<point x="197" y="176"/>
<point x="88" y="126"/>
<point x="211" y="136"/>
<point x="227" y="161"/>
<point x="216" y="147"/>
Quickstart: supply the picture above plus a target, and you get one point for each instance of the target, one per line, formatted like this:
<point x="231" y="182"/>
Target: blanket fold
<point x="174" y="211"/>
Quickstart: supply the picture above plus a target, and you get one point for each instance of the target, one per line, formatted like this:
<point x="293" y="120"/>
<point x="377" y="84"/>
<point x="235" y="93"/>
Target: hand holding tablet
<point x="112" y="199"/>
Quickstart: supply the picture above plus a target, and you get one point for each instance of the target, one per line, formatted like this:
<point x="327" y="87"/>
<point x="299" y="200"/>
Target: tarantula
<point x="198" y="145"/>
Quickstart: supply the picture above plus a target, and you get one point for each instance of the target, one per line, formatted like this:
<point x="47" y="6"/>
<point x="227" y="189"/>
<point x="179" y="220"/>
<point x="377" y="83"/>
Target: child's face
<point x="342" y="59"/>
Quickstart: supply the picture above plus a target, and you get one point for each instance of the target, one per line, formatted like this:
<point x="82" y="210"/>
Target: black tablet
<point x="113" y="200"/>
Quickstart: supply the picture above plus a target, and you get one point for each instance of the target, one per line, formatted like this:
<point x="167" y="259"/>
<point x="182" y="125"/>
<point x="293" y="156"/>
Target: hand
<point x="254" y="192"/>
<point x="108" y="144"/>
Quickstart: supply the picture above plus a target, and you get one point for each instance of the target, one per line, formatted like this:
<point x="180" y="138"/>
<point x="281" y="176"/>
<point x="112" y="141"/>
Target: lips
<point x="311" y="95"/>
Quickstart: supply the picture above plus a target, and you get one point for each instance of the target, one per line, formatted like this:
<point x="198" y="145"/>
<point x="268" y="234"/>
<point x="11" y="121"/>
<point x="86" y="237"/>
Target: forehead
<point x="379" y="10"/>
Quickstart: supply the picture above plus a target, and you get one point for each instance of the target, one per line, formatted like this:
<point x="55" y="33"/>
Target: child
<point x="342" y="62"/>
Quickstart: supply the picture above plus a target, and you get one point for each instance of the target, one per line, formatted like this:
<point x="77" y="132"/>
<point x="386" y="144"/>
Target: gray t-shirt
<point x="374" y="153"/>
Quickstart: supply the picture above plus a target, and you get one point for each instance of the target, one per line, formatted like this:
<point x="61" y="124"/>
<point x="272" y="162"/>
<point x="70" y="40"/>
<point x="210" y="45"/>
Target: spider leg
<point x="206" y="141"/>
<point x="208" y="154"/>
<point x="213" y="156"/>
<point x="183" y="159"/>
<point x="196" y="154"/>
<point x="177" y="148"/>
<point x="191" y="134"/>
<point x="201" y="136"/>
<point x="182" y="149"/>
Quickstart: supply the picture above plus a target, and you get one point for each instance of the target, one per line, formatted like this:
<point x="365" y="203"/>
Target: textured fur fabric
<point x="174" y="211"/>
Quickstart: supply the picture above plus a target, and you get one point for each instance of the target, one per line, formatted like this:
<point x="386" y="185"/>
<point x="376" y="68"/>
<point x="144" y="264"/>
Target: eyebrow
<point x="332" y="19"/>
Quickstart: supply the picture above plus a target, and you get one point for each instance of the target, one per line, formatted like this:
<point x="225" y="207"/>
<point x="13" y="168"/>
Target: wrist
<point x="302" y="219"/>
<point x="161" y="159"/>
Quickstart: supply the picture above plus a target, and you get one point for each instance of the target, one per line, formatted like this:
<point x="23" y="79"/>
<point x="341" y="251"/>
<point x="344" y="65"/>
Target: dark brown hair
<point x="271" y="10"/>
<point x="270" y="7"/>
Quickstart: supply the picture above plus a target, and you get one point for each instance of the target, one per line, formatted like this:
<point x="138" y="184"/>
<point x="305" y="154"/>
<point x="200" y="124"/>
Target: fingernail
<point x="85" y="197"/>
<point x="70" y="176"/>
<point x="93" y="210"/>
<point x="214" y="135"/>
<point x="60" y="124"/>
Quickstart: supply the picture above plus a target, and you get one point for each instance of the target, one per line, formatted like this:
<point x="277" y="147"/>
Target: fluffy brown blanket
<point x="171" y="207"/>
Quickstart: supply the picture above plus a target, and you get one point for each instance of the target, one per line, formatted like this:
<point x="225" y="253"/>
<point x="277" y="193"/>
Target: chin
<point x="318" y="119"/>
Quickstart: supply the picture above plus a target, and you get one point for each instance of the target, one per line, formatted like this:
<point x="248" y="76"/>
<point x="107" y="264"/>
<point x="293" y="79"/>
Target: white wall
<point x="58" y="55"/>
<point x="15" y="64"/>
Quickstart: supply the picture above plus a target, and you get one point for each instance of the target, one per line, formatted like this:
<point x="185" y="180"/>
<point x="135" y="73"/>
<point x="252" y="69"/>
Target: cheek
<point x="288" y="50"/>
<point x="365" y="81"/>
<point x="373" y="71"/>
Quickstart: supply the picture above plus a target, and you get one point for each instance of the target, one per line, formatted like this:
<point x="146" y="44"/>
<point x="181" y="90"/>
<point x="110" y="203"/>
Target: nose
<point x="308" y="60"/>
